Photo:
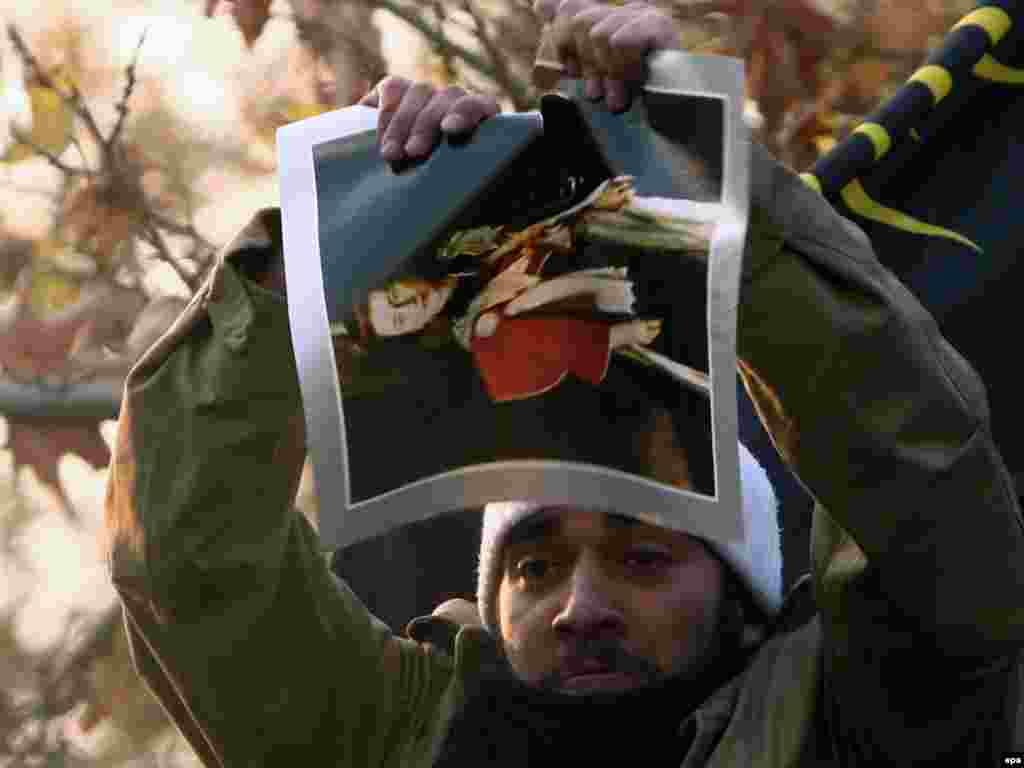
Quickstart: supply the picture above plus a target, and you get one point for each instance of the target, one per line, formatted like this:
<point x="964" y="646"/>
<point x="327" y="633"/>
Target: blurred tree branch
<point x="72" y="326"/>
<point x="98" y="400"/>
<point x="492" y="63"/>
<point x="112" y="192"/>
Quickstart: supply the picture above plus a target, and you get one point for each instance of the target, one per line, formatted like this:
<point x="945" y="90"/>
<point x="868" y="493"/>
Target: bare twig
<point x="502" y="76"/>
<point x="78" y="104"/>
<point x="155" y="238"/>
<point x="322" y="37"/>
<point x="456" y="20"/>
<point x="185" y="230"/>
<point x="155" y="224"/>
<point x="447" y="58"/>
<point x="518" y="91"/>
<point x="372" y="65"/>
<point x="32" y="64"/>
<point x="122" y="105"/>
<point x="20" y="137"/>
<point x="524" y="10"/>
<point x="80" y="149"/>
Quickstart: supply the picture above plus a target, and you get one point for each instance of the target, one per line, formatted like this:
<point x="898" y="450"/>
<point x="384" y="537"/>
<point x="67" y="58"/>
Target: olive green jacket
<point x="263" y="658"/>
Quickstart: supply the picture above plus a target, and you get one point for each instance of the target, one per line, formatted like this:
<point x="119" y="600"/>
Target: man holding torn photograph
<point x="596" y="638"/>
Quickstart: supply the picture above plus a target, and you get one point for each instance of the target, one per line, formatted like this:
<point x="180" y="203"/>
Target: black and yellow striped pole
<point x="935" y="177"/>
<point x="965" y="58"/>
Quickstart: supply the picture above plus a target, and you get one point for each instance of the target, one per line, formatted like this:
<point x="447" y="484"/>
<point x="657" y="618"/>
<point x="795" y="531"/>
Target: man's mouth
<point x="592" y="675"/>
<point x="602" y="681"/>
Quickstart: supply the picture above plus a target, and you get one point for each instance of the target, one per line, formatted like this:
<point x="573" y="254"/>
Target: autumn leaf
<point x="824" y="143"/>
<point x="102" y="331"/>
<point x="864" y="80"/>
<point x="904" y="25"/>
<point x="50" y="130"/>
<point x="39" y="443"/>
<point x="286" y="111"/>
<point x="34" y="346"/>
<point x="808" y="19"/>
<point x="102" y="214"/>
<point x="15" y="254"/>
<point x="44" y="327"/>
<point x="266" y="116"/>
<point x="296" y="111"/>
<point x="251" y="16"/>
<point x="52" y="291"/>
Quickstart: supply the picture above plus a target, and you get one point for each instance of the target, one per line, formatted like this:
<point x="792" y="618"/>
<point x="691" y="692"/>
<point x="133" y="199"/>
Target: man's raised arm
<point x="883" y="420"/>
<point x="259" y="654"/>
<point x="917" y="541"/>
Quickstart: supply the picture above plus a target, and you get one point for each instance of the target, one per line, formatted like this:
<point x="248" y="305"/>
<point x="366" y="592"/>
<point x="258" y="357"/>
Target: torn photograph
<point x="544" y="311"/>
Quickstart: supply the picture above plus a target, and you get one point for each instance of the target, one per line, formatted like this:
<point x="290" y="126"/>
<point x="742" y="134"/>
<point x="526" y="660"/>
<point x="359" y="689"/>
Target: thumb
<point x="392" y="90"/>
<point x="370" y="99"/>
<point x="387" y="94"/>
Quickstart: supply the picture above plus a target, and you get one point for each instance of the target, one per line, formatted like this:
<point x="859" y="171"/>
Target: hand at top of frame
<point x="606" y="45"/>
<point x="414" y="116"/>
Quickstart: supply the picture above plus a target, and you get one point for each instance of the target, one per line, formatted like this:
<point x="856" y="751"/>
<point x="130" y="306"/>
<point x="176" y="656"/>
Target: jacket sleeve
<point x="259" y="654"/>
<point x="917" y="540"/>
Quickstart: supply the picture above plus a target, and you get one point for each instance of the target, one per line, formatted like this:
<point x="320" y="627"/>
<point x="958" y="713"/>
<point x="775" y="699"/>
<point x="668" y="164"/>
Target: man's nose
<point x="590" y="607"/>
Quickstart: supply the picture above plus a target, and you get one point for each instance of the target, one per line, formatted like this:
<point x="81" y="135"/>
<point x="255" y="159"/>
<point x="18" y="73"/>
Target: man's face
<point x="591" y="602"/>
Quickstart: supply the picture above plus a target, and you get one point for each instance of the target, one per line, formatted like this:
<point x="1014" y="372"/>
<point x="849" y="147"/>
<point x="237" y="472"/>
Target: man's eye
<point x="533" y="569"/>
<point x="647" y="559"/>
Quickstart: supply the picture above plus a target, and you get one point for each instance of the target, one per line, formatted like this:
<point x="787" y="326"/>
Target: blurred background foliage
<point x="136" y="136"/>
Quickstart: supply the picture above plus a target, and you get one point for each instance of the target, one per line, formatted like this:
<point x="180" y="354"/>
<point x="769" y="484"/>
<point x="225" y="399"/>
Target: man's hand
<point x="413" y="116"/>
<point x="607" y="45"/>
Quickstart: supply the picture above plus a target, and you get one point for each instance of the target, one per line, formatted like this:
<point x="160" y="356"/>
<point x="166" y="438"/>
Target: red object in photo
<point x="527" y="356"/>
